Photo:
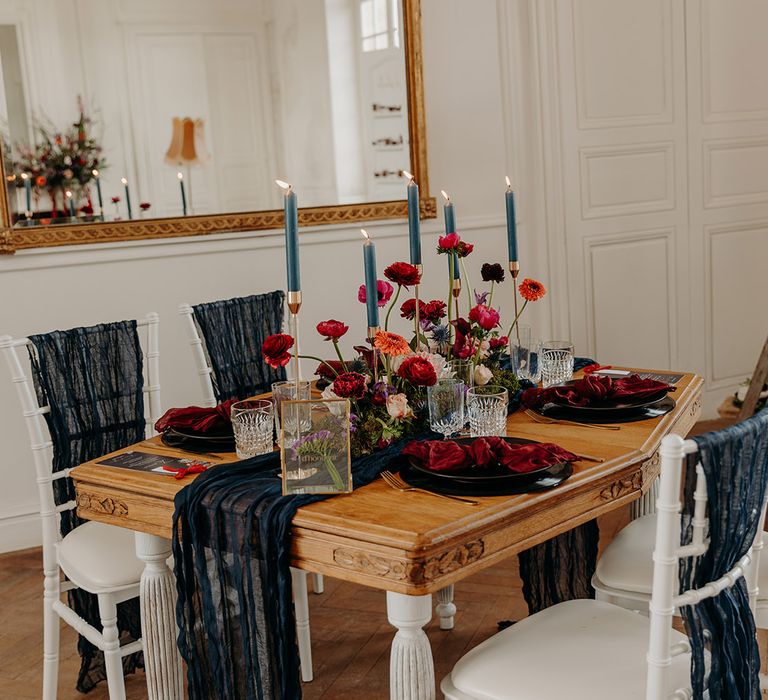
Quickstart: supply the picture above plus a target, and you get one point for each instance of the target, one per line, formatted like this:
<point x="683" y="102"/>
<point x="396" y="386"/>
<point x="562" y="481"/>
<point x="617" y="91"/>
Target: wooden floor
<point x="350" y="632"/>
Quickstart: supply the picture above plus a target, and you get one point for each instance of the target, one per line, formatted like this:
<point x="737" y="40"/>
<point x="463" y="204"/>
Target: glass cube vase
<point x="315" y="446"/>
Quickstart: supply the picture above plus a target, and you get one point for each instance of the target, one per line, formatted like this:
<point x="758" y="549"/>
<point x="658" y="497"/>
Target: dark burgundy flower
<point x="403" y="274"/>
<point x="349" y="385"/>
<point x="329" y="369"/>
<point x="484" y="316"/>
<point x="434" y="310"/>
<point x="332" y="329"/>
<point x="144" y="206"/>
<point x="492" y="272"/>
<point x="379" y="393"/>
<point x="275" y="350"/>
<point x="384" y="291"/>
<point x="417" y="370"/>
<point x="464" y="249"/>
<point x="408" y="309"/>
<point x="462" y="347"/>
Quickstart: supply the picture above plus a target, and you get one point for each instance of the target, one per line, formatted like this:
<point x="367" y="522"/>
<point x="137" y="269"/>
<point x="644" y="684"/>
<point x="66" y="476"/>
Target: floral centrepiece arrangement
<point x="386" y="380"/>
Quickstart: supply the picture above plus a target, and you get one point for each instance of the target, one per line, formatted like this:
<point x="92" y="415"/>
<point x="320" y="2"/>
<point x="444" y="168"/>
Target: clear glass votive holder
<point x="524" y="354"/>
<point x="446" y="406"/>
<point x="252" y="424"/>
<point x="289" y="390"/>
<point x="315" y="448"/>
<point x="463" y="371"/>
<point x="556" y="362"/>
<point x="487" y="409"/>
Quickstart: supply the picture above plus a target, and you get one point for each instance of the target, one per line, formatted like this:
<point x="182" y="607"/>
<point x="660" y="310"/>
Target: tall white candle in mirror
<point x="28" y="192"/>
<point x="180" y="175"/>
<point x="97" y="177"/>
<point x="70" y="203"/>
<point x="127" y="197"/>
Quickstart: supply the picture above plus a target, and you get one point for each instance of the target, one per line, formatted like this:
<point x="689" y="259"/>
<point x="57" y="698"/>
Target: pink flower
<point x="484" y="316"/>
<point x="449" y="242"/>
<point x="397" y="406"/>
<point x="384" y="291"/>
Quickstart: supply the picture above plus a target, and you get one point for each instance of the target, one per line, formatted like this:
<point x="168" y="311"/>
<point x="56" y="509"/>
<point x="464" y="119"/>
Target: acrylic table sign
<point x="315" y="446"/>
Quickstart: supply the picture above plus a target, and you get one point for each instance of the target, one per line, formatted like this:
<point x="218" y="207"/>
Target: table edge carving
<point x="102" y="504"/>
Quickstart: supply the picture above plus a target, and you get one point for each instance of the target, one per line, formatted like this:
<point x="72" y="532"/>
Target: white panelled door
<point x="662" y="113"/>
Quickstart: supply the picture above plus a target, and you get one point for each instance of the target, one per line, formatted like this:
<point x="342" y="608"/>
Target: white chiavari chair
<point x="593" y="650"/>
<point x="95" y="557"/>
<point x="298" y="577"/>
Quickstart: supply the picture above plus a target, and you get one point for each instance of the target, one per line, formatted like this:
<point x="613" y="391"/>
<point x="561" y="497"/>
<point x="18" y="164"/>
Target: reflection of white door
<point x="664" y="182"/>
<point x="195" y="74"/>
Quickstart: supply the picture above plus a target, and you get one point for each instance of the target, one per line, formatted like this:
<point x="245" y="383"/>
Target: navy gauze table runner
<point x="231" y="546"/>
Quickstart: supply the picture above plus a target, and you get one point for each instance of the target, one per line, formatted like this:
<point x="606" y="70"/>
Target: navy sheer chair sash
<point x="233" y="331"/>
<point x="92" y="379"/>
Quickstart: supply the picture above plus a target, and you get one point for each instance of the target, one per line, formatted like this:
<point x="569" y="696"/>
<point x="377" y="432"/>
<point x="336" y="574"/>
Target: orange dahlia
<point x="391" y="344"/>
<point x="531" y="290"/>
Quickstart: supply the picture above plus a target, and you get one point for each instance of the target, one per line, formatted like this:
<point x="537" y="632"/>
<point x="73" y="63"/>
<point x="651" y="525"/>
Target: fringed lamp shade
<point x="188" y="145"/>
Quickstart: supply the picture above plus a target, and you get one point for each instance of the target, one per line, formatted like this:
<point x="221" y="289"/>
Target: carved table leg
<point x="411" y="669"/>
<point x="445" y="608"/>
<point x="158" y="621"/>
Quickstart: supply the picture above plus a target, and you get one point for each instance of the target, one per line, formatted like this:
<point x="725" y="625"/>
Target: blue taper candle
<point x="371" y="286"/>
<point x="180" y="175"/>
<point x="449" y="214"/>
<point x="96" y="176"/>
<point x="127" y="197"/>
<point x="291" y="237"/>
<point x="511" y="223"/>
<point x="414" y="224"/>
<point x="70" y="203"/>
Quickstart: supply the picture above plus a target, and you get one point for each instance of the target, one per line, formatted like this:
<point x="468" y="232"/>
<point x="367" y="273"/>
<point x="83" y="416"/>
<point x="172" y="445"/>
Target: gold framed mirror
<point x="59" y="223"/>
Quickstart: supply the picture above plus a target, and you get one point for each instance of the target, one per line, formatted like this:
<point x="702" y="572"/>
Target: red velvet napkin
<point x="594" y="389"/>
<point x="197" y="418"/>
<point x="484" y="452"/>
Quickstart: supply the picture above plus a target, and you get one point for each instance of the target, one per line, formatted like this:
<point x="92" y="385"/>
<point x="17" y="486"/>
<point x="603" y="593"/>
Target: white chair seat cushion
<point x="580" y="650"/>
<point x="627" y="562"/>
<point x="99" y="557"/>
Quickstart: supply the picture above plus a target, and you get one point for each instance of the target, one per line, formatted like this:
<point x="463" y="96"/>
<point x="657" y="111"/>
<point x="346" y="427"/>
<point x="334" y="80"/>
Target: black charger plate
<point x="222" y="440"/>
<point x="630" y="415"/>
<point x="613" y="405"/>
<point x="491" y="481"/>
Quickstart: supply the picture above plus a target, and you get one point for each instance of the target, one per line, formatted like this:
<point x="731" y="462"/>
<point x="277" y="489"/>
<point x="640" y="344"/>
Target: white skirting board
<point x="20" y="530"/>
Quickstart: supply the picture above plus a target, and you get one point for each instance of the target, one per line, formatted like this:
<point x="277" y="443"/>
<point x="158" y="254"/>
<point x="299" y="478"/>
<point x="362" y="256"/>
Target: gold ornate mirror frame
<point x="13" y="239"/>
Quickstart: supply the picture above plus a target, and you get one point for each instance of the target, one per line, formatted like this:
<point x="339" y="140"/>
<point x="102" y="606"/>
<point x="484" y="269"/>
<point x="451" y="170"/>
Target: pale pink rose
<point x="482" y="375"/>
<point x="397" y="406"/>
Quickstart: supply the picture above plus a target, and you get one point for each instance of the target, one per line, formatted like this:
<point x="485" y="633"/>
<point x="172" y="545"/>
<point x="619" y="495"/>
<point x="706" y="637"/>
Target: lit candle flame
<point x="509" y="183"/>
<point x="365" y="234"/>
<point x="95" y="172"/>
<point x="24" y="176"/>
<point x="445" y="196"/>
<point x="407" y="174"/>
<point x="68" y="194"/>
<point x="180" y="175"/>
<point x="123" y="180"/>
<point x="285" y="185"/>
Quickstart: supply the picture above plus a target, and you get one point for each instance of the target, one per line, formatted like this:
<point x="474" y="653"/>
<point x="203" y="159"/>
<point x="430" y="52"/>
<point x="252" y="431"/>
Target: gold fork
<point x="397" y="483"/>
<point x="538" y="418"/>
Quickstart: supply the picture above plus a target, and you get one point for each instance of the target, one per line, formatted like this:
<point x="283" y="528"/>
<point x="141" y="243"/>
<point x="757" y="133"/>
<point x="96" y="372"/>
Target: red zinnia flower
<point x="349" y="385"/>
<point x="448" y="242"/>
<point x="384" y="291"/>
<point x="531" y="290"/>
<point x="484" y="316"/>
<point x="275" y="350"/>
<point x="435" y="310"/>
<point x="417" y="370"/>
<point x="403" y="274"/>
<point x="332" y="329"/>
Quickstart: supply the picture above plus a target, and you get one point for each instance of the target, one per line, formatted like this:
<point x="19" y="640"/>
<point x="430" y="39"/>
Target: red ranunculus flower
<point x="484" y="316"/>
<point x="275" y="350"/>
<point x="403" y="274"/>
<point x="384" y="291"/>
<point x="332" y="329"/>
<point x="408" y="309"/>
<point x="492" y="272"/>
<point x="464" y="249"/>
<point x="115" y="199"/>
<point x="349" y="385"/>
<point x="329" y="369"/>
<point x="144" y="205"/>
<point x="434" y="310"/>
<point x="419" y="371"/>
<point x="448" y="242"/>
<point x="501" y="342"/>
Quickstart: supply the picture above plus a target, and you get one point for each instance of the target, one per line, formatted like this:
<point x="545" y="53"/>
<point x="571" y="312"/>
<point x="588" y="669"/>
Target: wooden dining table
<point x="412" y="545"/>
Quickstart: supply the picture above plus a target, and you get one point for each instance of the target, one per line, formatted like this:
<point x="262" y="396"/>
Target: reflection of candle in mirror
<point x="449" y="215"/>
<point x="291" y="236"/>
<point x="371" y="285"/>
<point x="511" y="223"/>
<point x="96" y="177"/>
<point x="70" y="203"/>
<point x="414" y="225"/>
<point x="127" y="197"/>
<point x="28" y="192"/>
<point x="180" y="175"/>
